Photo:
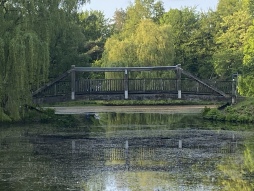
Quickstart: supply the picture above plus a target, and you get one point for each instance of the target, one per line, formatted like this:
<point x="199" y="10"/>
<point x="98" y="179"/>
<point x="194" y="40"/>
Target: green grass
<point x="242" y="112"/>
<point x="133" y="102"/>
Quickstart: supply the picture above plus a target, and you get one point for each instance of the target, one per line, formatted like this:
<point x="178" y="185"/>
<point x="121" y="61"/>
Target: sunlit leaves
<point x="149" y="45"/>
<point x="140" y="10"/>
<point x="27" y="30"/>
<point x="227" y="7"/>
<point x="246" y="84"/>
<point x="230" y="40"/>
<point x="154" y="44"/>
<point x="249" y="47"/>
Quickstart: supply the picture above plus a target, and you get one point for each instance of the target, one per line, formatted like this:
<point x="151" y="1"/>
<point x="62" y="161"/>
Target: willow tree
<point x="149" y="45"/>
<point x="141" y="41"/>
<point x="25" y="37"/>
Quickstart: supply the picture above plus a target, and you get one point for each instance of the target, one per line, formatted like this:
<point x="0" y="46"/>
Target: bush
<point x="205" y="111"/>
<point x="243" y="118"/>
<point x="231" y="117"/>
<point x="221" y="117"/>
<point x="212" y="114"/>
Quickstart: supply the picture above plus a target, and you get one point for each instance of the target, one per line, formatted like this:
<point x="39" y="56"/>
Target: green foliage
<point x="238" y="171"/>
<point x="213" y="114"/>
<point x="141" y="10"/>
<point x="245" y="85"/>
<point x="228" y="7"/>
<point x="149" y="45"/>
<point x="29" y="41"/>
<point x="46" y="116"/>
<point x="239" y="113"/>
<point x="193" y="40"/>
<point x="96" y="30"/>
<point x="228" y="58"/>
<point x="205" y="111"/>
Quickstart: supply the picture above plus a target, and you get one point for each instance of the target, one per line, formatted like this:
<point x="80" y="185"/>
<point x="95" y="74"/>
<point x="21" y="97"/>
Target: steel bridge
<point x="183" y="85"/>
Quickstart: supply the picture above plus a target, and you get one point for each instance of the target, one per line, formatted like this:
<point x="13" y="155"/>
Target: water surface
<point x="127" y="152"/>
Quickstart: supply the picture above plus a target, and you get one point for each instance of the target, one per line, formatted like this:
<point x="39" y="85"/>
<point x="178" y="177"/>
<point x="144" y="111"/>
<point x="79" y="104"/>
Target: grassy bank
<point x="242" y="112"/>
<point x="135" y="102"/>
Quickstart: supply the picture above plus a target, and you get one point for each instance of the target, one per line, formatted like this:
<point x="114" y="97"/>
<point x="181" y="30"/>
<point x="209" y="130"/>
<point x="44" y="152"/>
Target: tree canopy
<point x="29" y="30"/>
<point x="40" y="39"/>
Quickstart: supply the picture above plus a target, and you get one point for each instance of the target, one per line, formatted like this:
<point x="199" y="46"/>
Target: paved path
<point x="130" y="109"/>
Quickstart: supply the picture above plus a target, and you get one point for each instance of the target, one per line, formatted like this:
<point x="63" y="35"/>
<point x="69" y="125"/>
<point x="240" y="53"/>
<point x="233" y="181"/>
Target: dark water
<point x="127" y="152"/>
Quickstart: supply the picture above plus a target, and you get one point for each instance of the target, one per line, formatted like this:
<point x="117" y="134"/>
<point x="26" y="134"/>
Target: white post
<point x="126" y="144"/>
<point x="180" y="144"/>
<point x="178" y="76"/>
<point x="126" y="88"/>
<point x="73" y="83"/>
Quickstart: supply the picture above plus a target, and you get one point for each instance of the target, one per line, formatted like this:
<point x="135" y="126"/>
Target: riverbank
<point x="168" y="109"/>
<point x="241" y="112"/>
<point x="133" y="103"/>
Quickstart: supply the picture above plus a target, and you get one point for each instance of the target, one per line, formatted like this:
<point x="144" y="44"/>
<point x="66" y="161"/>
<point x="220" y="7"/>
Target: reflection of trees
<point x="115" y="121"/>
<point x="22" y="167"/>
<point x="237" y="172"/>
<point x="144" y="120"/>
<point x="18" y="159"/>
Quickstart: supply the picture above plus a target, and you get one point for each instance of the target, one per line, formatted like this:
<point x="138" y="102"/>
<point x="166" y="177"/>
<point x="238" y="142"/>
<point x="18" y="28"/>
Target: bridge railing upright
<point x="152" y="85"/>
<point x="192" y="86"/>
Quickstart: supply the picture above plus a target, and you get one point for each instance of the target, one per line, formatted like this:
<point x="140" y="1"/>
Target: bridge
<point x="72" y="85"/>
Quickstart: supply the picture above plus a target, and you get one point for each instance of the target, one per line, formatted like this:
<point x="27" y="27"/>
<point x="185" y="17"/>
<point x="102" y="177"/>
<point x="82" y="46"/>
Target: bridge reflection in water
<point x="159" y="153"/>
<point x="185" y="153"/>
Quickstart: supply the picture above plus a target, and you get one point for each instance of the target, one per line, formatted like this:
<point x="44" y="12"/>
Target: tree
<point x="96" y="30"/>
<point x="119" y="20"/>
<point x="246" y="80"/>
<point x="141" y="9"/>
<point x="228" y="7"/>
<point x="149" y="45"/>
<point x="193" y="39"/>
<point x="26" y="39"/>
<point x="228" y="58"/>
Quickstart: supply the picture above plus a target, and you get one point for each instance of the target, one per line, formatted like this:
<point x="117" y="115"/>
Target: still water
<point x="127" y="152"/>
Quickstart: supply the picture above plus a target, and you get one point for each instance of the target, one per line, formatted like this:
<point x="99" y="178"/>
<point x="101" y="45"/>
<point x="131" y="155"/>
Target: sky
<point x="108" y="7"/>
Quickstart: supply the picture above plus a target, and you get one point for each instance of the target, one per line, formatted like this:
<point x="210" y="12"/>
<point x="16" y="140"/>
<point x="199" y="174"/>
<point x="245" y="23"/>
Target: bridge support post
<point x="234" y="88"/>
<point x="73" y="82"/>
<point x="178" y="81"/>
<point x="126" y="84"/>
<point x="233" y="101"/>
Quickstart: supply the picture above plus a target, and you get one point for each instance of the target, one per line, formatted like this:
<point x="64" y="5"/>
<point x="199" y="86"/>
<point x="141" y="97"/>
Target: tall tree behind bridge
<point x="230" y="37"/>
<point x="96" y="29"/>
<point x="193" y="39"/>
<point x="26" y="36"/>
<point x="140" y="41"/>
<point x="246" y="79"/>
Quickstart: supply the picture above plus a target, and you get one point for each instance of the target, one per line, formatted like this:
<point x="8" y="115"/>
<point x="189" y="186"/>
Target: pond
<point x="128" y="151"/>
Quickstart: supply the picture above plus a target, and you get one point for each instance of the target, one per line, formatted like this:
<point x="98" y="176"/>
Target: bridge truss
<point x="184" y="85"/>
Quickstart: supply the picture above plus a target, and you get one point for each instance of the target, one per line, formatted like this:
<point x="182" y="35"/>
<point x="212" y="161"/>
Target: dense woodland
<point x="40" y="39"/>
